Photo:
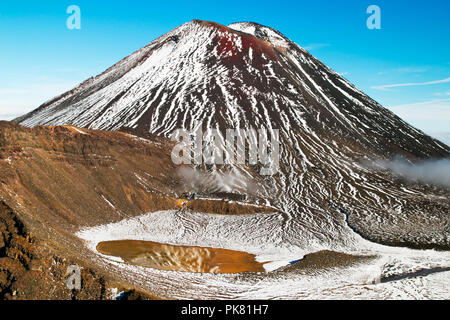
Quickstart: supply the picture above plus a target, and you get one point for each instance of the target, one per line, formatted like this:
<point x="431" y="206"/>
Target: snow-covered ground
<point x="255" y="234"/>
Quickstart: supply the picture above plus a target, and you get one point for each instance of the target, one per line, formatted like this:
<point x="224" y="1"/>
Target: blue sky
<point x="404" y="66"/>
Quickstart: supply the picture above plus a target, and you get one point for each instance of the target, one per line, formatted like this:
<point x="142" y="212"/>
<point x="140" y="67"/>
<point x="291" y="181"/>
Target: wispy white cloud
<point x="18" y="100"/>
<point x="412" y="70"/>
<point x="315" y="46"/>
<point x="388" y="86"/>
<point x="423" y="103"/>
<point x="429" y="116"/>
<point x="440" y="94"/>
<point x="403" y="70"/>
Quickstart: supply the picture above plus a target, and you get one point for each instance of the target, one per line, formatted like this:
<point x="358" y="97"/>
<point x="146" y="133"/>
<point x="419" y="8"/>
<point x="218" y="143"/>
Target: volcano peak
<point x="242" y="75"/>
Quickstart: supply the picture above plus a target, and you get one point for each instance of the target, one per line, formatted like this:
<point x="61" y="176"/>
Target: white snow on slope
<point x="253" y="234"/>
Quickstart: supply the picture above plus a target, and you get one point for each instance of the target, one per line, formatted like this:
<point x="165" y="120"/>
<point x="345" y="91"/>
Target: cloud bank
<point x="436" y="172"/>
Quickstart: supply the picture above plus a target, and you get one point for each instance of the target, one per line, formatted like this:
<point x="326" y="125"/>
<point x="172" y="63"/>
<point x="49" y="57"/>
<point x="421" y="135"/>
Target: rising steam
<point x="207" y="182"/>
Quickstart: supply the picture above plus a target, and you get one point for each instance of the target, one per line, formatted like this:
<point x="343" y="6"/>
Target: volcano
<point x="245" y="75"/>
<point x="237" y="76"/>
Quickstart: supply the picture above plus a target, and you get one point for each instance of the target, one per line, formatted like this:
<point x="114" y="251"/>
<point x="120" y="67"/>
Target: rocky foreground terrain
<point x="56" y="182"/>
<point x="44" y="199"/>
